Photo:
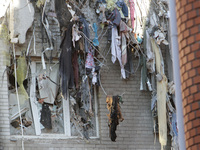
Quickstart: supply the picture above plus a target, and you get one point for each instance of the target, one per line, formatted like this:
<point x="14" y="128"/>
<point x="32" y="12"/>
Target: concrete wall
<point x="188" y="21"/>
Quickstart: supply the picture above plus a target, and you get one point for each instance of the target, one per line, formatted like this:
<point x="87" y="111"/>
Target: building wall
<point x="134" y="133"/>
<point x="188" y="21"/>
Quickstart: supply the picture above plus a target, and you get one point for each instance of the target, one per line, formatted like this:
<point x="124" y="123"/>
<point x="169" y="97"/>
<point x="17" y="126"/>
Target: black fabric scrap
<point x="66" y="68"/>
<point x="46" y="116"/>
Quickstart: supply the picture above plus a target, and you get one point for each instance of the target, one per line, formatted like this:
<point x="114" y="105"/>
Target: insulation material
<point x="47" y="82"/>
<point x="21" y="76"/>
<point x="161" y="96"/>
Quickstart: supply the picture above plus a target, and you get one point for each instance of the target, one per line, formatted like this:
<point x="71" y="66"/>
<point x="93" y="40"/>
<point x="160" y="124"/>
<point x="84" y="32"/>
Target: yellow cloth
<point x="21" y="76"/>
<point x="161" y="95"/>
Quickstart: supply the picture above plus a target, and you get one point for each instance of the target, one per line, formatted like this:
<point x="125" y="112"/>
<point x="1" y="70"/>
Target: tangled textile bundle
<point x="114" y="116"/>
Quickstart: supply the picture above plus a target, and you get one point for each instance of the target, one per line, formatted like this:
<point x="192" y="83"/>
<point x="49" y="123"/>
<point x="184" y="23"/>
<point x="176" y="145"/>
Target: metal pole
<point x="176" y="70"/>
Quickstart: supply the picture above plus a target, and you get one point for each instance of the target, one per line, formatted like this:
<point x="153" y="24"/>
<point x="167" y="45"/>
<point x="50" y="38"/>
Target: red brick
<point x="193" y="89"/>
<point x="196" y="63"/>
<point x="187" y="49"/>
<point x="181" y="11"/>
<point x="190" y="99"/>
<point x="197" y="54"/>
<point x="196" y="4"/>
<point x="195" y="46"/>
<point x="184" y="102"/>
<point x="191" y="115"/>
<point x="186" y="92"/>
<point x="193" y="132"/>
<point x="185" y="119"/>
<point x="188" y="7"/>
<point x="192" y="73"/>
<point x="188" y="109"/>
<point x="185" y="76"/>
<point x="188" y="66"/>
<point x="184" y="18"/>
<point x="195" y="106"/>
<point x="189" y="1"/>
<point x="189" y="23"/>
<point x="183" y="69"/>
<point x="194" y="30"/>
<point x="181" y="54"/>
<point x="183" y="27"/>
<point x="189" y="125"/>
<point x="197" y="36"/>
<point x="190" y="57"/>
<point x="180" y="38"/>
<point x="184" y="60"/>
<point x="194" y="147"/>
<point x="183" y="3"/>
<point x="197" y="21"/>
<point x="198" y="70"/>
<point x="192" y="14"/>
<point x="189" y="82"/>
<point x="196" y="123"/>
<point x="185" y="128"/>
<point x="184" y="85"/>
<point x="198" y="130"/>
<point x="197" y="139"/>
<point x="190" y="141"/>
<point x="187" y="135"/>
<point x="186" y="143"/>
<point x="177" y="7"/>
<point x="197" y="96"/>
<point x="190" y="40"/>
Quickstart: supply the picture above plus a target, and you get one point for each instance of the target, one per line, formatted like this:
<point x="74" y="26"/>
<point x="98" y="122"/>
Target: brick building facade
<point x="188" y="22"/>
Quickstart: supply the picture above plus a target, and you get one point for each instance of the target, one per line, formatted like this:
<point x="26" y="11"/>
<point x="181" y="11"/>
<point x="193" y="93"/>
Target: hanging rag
<point x="85" y="93"/>
<point x="150" y="54"/>
<point x="89" y="63"/>
<point x="45" y="119"/>
<point x="114" y="115"/>
<point x="129" y="64"/>
<point x="66" y="69"/>
<point x="132" y="10"/>
<point x="75" y="67"/>
<point x="21" y="76"/>
<point x="124" y="34"/>
<point x="161" y="95"/>
<point x="115" y="17"/>
<point x="116" y="51"/>
<point x="86" y="31"/>
<point x="121" y="4"/>
<point x="143" y="83"/>
<point x="75" y="35"/>
<point x="95" y="41"/>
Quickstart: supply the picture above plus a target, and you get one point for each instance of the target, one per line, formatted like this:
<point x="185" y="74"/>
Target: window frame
<point x="66" y="113"/>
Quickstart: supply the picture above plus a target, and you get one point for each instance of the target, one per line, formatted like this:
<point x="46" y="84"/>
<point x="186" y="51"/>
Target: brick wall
<point x="188" y="21"/>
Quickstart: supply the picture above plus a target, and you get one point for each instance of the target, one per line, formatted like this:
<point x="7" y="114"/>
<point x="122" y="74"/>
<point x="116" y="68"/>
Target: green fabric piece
<point x="21" y="76"/>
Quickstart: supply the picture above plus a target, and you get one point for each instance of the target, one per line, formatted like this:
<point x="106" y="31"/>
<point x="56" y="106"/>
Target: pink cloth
<point x="90" y="59"/>
<point x="132" y="9"/>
